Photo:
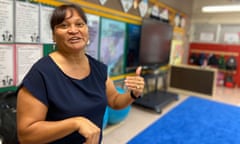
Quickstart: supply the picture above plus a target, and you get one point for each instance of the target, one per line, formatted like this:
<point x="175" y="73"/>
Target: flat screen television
<point x="155" y="43"/>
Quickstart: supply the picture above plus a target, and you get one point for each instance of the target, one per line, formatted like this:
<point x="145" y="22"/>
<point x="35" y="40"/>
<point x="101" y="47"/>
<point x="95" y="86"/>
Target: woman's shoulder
<point x="95" y="61"/>
<point x="43" y="63"/>
<point x="97" y="65"/>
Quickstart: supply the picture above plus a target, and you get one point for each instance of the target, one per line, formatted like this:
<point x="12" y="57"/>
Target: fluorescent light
<point x="223" y="8"/>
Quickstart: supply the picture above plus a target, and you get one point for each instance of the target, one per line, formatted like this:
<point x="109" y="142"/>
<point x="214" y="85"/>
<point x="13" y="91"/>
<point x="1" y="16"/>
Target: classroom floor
<point x="139" y="118"/>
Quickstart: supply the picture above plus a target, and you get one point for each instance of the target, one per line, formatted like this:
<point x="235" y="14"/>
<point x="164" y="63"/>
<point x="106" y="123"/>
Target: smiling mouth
<point x="75" y="39"/>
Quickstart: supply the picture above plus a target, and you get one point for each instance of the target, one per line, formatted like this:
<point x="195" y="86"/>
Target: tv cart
<point x="156" y="99"/>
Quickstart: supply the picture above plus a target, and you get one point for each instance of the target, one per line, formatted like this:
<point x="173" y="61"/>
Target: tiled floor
<point x="139" y="118"/>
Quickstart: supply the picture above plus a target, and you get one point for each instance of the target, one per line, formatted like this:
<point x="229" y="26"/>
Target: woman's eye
<point x="63" y="25"/>
<point x="80" y="25"/>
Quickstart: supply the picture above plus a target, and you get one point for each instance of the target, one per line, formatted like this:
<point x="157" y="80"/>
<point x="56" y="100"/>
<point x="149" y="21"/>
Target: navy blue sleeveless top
<point x="67" y="97"/>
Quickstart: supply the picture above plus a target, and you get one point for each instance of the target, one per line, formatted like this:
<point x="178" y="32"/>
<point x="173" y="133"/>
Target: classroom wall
<point x="184" y="6"/>
<point x="21" y="47"/>
<point x="213" y="18"/>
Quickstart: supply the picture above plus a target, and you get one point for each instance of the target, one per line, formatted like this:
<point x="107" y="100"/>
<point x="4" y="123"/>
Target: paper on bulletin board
<point x="26" y="56"/>
<point x="45" y="29"/>
<point x="6" y="21"/>
<point x="177" y="51"/>
<point x="93" y="28"/>
<point x="27" y="22"/>
<point x="6" y="65"/>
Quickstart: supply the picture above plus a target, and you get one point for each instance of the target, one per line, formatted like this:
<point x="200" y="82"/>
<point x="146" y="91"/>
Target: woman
<point x="63" y="97"/>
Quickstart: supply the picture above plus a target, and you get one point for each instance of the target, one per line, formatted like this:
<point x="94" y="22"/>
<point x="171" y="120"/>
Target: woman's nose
<point x="73" y="29"/>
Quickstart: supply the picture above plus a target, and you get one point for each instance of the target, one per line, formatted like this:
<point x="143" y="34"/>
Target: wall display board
<point x="27" y="22"/>
<point x="112" y="45"/>
<point x="6" y="65"/>
<point x="45" y="30"/>
<point x="133" y="44"/>
<point x="93" y="27"/>
<point x="6" y="21"/>
<point x="26" y="56"/>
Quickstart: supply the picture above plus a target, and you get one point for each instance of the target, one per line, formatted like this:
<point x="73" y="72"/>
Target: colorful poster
<point x="6" y="65"/>
<point x="93" y="27"/>
<point x="177" y="51"/>
<point x="27" y="22"/>
<point x="6" y="21"/>
<point x="26" y="56"/>
<point x="112" y="45"/>
<point x="46" y="32"/>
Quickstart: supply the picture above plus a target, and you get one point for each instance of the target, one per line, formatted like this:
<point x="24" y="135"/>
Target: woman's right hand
<point x="89" y="130"/>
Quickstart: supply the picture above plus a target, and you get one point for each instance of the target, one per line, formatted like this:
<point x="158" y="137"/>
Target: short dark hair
<point x="59" y="14"/>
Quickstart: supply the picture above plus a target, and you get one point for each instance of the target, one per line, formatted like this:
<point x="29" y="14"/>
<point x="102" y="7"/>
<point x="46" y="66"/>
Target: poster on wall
<point x="112" y="45"/>
<point x="27" y="22"/>
<point x="45" y="29"/>
<point x="6" y="65"/>
<point x="177" y="51"/>
<point x="26" y="56"/>
<point x="133" y="45"/>
<point x="93" y="27"/>
<point x="6" y="21"/>
<point x="231" y="37"/>
<point x="207" y="36"/>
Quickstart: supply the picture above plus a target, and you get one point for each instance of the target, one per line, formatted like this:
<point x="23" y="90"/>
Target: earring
<point x="88" y="42"/>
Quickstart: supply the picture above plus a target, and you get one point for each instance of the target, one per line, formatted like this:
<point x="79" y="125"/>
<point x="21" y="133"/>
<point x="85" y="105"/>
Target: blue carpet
<point x="194" y="121"/>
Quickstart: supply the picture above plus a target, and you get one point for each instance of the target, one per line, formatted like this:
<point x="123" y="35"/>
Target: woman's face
<point x="72" y="33"/>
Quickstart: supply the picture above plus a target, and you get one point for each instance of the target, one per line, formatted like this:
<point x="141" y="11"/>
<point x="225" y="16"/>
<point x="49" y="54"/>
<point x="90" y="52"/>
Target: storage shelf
<point x="214" y="52"/>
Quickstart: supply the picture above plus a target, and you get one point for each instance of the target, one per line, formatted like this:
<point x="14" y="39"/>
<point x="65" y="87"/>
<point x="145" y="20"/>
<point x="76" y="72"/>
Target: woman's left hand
<point x="135" y="83"/>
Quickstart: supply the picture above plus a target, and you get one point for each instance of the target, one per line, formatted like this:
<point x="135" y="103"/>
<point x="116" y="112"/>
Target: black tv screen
<point x="155" y="43"/>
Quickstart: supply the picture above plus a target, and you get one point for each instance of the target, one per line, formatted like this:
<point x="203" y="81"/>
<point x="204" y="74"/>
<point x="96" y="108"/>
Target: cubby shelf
<point x="214" y="52"/>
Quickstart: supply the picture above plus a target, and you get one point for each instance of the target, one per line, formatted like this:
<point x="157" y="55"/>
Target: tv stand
<point x="156" y="99"/>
